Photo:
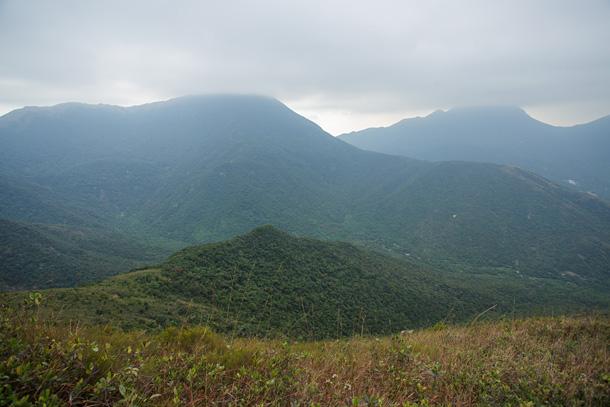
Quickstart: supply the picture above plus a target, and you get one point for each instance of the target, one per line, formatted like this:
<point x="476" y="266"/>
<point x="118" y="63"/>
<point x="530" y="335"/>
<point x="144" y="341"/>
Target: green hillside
<point x="270" y="283"/>
<point x="528" y="225"/>
<point x="24" y="200"/>
<point x="205" y="169"/>
<point x="40" y="256"/>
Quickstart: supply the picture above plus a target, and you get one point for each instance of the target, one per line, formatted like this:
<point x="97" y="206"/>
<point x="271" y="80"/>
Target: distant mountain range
<point x="204" y="169"/>
<point x="571" y="156"/>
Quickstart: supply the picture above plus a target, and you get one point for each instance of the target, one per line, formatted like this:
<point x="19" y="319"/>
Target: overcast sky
<point x="346" y="65"/>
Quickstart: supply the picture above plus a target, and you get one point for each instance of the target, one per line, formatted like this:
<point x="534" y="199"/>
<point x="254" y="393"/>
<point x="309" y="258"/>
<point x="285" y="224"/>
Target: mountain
<point x="268" y="282"/>
<point x="570" y="156"/>
<point x="201" y="169"/>
<point x="40" y="256"/>
<point x="156" y="165"/>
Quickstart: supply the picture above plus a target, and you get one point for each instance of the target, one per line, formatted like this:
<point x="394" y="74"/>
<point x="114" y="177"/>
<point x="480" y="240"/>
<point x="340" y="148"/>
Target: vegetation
<point x="36" y="256"/>
<point x="270" y="284"/>
<point x="205" y="169"/>
<point x="267" y="318"/>
<point x="524" y="362"/>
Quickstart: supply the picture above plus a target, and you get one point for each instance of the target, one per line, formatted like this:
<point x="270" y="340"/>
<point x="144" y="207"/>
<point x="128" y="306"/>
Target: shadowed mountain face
<point x="203" y="169"/>
<point x="570" y="156"/>
<point x="38" y="256"/>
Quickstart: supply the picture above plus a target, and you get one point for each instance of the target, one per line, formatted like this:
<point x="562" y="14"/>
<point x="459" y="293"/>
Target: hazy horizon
<point x="376" y="124"/>
<point x="344" y="65"/>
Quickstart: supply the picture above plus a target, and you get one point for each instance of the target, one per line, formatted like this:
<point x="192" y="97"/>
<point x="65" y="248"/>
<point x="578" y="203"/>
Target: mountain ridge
<point x="205" y="169"/>
<point x="571" y="156"/>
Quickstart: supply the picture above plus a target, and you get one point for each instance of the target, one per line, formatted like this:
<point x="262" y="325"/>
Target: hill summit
<point x="268" y="283"/>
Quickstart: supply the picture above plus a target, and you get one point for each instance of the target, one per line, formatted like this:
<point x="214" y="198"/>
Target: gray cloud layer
<point x="344" y="64"/>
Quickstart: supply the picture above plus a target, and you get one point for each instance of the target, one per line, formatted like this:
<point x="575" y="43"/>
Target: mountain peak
<point x="502" y="135"/>
<point x="268" y="230"/>
<point x="184" y="105"/>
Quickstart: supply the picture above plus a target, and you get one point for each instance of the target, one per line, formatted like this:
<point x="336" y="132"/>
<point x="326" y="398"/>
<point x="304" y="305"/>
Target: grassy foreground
<point x="527" y="362"/>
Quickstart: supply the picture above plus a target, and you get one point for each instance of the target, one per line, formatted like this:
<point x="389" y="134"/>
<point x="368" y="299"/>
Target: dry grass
<point x="536" y="361"/>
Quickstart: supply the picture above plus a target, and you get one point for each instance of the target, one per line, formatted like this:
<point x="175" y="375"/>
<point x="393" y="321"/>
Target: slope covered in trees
<point x="203" y="169"/>
<point x="268" y="283"/>
<point x="40" y="256"/>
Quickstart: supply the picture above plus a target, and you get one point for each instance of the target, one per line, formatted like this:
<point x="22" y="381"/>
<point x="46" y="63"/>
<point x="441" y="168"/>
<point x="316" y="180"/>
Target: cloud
<point x="344" y="59"/>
